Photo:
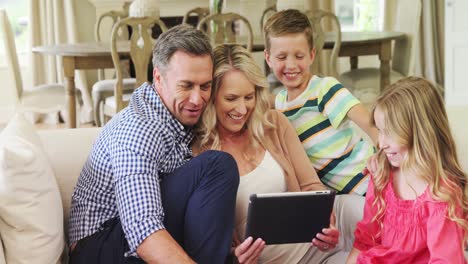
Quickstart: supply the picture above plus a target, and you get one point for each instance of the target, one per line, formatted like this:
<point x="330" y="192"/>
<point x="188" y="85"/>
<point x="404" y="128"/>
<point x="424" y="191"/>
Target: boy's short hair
<point x="285" y="22"/>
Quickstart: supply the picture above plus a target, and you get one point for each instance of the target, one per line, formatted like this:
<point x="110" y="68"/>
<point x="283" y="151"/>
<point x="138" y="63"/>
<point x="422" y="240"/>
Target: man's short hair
<point x="184" y="38"/>
<point x="285" y="22"/>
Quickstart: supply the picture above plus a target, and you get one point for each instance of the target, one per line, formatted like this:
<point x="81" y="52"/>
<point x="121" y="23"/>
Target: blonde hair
<point x="415" y="117"/>
<point x="235" y="58"/>
<point x="289" y="21"/>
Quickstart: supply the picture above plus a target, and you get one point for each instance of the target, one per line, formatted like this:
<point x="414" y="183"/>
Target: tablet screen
<point x="290" y="217"/>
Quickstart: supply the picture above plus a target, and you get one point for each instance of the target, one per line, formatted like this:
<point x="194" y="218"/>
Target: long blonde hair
<point x="415" y="117"/>
<point x="232" y="57"/>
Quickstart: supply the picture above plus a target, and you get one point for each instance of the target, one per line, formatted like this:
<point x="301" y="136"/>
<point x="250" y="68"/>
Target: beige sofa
<point x="63" y="152"/>
<point x="67" y="150"/>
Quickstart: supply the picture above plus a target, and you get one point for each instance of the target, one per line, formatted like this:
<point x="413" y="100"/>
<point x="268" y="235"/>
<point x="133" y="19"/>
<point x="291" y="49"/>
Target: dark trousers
<point x="199" y="203"/>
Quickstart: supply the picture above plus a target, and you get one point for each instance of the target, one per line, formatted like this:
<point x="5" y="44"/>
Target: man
<point x="141" y="196"/>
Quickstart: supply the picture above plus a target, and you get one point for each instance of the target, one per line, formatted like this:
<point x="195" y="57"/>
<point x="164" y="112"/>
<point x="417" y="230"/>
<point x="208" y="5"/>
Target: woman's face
<point x="234" y="102"/>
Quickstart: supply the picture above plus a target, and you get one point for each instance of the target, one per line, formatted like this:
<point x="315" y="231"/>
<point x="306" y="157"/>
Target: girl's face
<point x="234" y="102"/>
<point x="394" y="151"/>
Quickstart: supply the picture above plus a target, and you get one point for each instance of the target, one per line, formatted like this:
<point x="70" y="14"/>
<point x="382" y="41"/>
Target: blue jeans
<point x="199" y="200"/>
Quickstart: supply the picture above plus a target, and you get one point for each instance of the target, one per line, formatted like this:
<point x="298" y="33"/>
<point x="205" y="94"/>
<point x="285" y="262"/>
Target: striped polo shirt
<point x="319" y="116"/>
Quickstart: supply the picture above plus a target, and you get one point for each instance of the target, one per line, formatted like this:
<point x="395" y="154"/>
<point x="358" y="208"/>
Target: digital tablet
<point x="290" y="217"/>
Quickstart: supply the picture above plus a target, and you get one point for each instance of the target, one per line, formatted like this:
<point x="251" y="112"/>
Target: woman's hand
<point x="329" y="237"/>
<point x="249" y="251"/>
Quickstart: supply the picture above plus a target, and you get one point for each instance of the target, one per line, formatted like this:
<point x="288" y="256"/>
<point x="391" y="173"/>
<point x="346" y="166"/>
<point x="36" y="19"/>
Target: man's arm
<point x="359" y="115"/>
<point x="160" y="247"/>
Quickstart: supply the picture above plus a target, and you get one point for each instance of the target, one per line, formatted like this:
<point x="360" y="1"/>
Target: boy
<point x="318" y="107"/>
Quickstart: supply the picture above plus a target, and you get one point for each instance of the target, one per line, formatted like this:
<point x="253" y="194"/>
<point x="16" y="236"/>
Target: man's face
<point x="185" y="85"/>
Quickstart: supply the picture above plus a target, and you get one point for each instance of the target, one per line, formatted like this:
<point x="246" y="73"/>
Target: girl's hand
<point x="329" y="237"/>
<point x="249" y="251"/>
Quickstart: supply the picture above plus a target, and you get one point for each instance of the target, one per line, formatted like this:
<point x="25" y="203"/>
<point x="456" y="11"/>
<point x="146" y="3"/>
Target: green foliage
<point x="368" y="11"/>
<point x="17" y="11"/>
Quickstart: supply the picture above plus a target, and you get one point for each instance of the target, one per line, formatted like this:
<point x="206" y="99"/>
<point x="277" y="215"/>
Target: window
<point x="360" y="15"/>
<point x="17" y="11"/>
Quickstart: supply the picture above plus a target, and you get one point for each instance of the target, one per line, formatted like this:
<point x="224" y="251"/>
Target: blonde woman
<point x="269" y="155"/>
<point x="416" y="204"/>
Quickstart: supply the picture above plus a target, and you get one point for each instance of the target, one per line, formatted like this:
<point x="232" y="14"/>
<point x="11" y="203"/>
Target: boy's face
<point x="290" y="58"/>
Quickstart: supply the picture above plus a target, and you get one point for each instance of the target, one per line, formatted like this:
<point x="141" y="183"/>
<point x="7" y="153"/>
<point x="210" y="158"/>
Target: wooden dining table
<point x="85" y="56"/>
<point x="81" y="56"/>
<point x="360" y="43"/>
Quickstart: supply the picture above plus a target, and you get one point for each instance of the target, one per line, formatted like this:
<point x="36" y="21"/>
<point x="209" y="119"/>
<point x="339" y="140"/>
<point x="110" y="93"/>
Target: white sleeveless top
<point x="268" y="177"/>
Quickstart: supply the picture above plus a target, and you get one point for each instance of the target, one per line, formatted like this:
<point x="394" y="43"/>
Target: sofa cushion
<point x="31" y="225"/>
<point x="67" y="151"/>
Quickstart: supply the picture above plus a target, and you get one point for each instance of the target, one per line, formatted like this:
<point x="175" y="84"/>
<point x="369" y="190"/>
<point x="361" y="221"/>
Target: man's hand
<point x="329" y="237"/>
<point x="249" y="252"/>
<point x="160" y="247"/>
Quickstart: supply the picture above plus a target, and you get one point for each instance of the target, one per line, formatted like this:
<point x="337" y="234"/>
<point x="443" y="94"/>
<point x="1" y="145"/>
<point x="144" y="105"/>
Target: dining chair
<point x="105" y="87"/>
<point x="42" y="99"/>
<point x="403" y="60"/>
<point x="267" y="13"/>
<point x="114" y="15"/>
<point x="200" y="12"/>
<point x="221" y="28"/>
<point x="141" y="51"/>
<point x="318" y="20"/>
<point x="271" y="78"/>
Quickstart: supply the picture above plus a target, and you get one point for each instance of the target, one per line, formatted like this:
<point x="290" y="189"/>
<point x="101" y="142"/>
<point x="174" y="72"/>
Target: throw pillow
<point x="31" y="216"/>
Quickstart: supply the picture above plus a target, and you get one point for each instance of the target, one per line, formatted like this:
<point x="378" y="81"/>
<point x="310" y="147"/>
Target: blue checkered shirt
<point x="122" y="173"/>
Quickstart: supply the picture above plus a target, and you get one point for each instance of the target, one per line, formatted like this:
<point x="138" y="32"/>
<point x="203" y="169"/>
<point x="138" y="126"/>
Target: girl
<point x="416" y="204"/>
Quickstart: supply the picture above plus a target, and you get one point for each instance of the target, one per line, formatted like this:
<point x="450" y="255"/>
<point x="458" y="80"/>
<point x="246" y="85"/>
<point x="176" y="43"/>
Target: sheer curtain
<point x="429" y="60"/>
<point x="53" y="22"/>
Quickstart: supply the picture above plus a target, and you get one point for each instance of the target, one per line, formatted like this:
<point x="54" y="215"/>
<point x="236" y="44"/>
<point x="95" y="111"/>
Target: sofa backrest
<point x="67" y="151"/>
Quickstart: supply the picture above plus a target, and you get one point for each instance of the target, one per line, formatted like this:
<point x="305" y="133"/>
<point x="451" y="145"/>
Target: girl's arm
<point x="359" y="115"/>
<point x="352" y="257"/>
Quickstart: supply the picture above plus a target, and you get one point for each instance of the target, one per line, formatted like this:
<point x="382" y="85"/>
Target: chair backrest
<point x="10" y="53"/>
<point x="141" y="50"/>
<point x="267" y="13"/>
<point x="317" y="18"/>
<point x="407" y="21"/>
<point x="220" y="28"/>
<point x="201" y="12"/>
<point x="114" y="16"/>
